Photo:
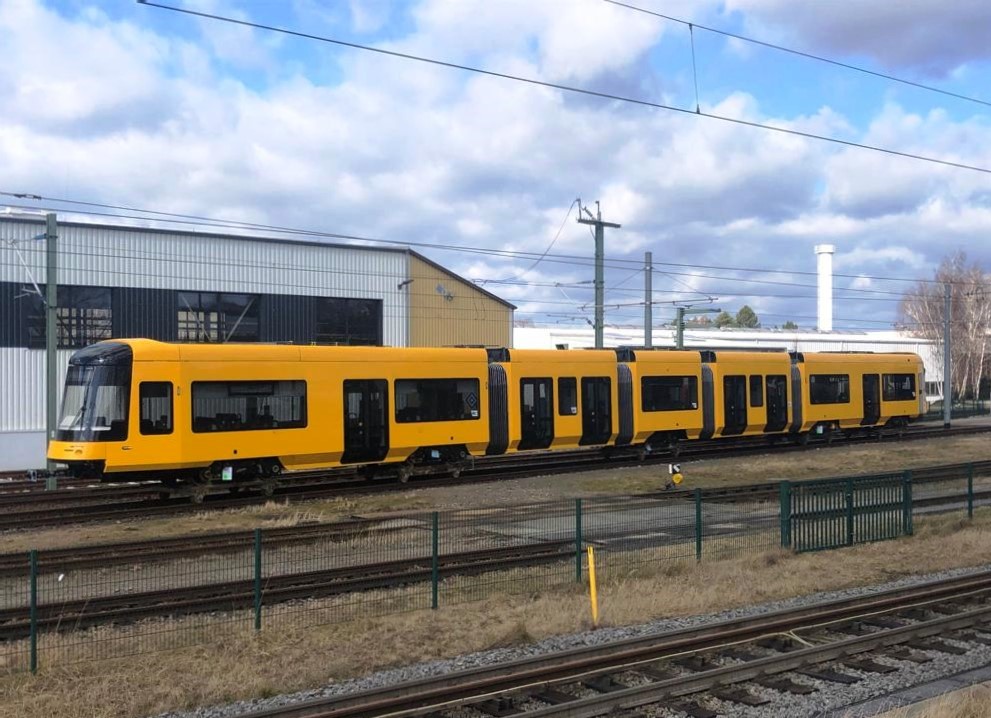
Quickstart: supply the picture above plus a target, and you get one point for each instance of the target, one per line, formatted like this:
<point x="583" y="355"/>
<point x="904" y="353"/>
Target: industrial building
<point x="120" y="281"/>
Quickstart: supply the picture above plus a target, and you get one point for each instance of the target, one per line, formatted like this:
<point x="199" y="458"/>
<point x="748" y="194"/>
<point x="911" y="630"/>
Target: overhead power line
<point x="801" y="53"/>
<point x="567" y="88"/>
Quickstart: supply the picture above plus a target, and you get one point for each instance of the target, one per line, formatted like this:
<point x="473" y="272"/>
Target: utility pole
<point x="679" y="341"/>
<point x="648" y="296"/>
<point x="51" y="335"/>
<point x="596" y="221"/>
<point x="947" y="358"/>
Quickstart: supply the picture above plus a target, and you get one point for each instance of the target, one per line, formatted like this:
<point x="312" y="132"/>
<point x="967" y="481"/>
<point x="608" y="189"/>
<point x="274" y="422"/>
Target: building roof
<point x="33" y="218"/>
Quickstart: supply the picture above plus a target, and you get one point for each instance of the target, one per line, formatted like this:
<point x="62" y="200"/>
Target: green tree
<point x="789" y="325"/>
<point x="747" y="318"/>
<point x="724" y="319"/>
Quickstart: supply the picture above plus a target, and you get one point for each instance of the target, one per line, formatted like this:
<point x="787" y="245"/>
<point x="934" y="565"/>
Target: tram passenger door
<point x="734" y="404"/>
<point x="366" y="420"/>
<point x="596" y="410"/>
<point x="872" y="399"/>
<point x="777" y="402"/>
<point x="536" y="413"/>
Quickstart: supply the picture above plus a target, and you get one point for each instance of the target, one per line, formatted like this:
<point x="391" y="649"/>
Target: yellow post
<point x="591" y="587"/>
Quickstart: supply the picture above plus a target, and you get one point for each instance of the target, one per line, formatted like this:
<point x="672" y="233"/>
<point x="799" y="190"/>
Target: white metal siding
<point x="132" y="257"/>
<point x="22" y="388"/>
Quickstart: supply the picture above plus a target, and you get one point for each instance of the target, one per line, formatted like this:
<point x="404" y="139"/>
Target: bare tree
<point x="922" y="311"/>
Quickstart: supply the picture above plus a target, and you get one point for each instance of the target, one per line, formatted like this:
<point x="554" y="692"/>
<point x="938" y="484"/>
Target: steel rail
<point x="426" y="695"/>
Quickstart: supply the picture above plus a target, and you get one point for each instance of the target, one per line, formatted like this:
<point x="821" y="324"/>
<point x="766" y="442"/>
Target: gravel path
<point x="829" y="698"/>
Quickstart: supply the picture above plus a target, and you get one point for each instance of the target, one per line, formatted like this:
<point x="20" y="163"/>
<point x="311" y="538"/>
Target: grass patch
<point x="234" y="663"/>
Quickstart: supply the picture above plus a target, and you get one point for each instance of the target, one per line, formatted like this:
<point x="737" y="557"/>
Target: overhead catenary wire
<point x="801" y="53"/>
<point x="566" y="88"/>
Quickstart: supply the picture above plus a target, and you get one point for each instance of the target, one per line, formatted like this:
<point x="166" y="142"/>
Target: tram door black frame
<point x="776" y="387"/>
<point x="366" y="420"/>
<point x="596" y="410"/>
<point x="872" y="399"/>
<point x="734" y="404"/>
<point x="536" y="413"/>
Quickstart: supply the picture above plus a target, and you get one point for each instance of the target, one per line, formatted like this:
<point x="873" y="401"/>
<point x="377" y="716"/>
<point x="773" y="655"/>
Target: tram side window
<point x="829" y="388"/>
<point x="898" y="387"/>
<point x="156" y="407"/>
<point x="669" y="393"/>
<point x="756" y="390"/>
<point x="248" y="405"/>
<point x="422" y="400"/>
<point x="567" y="396"/>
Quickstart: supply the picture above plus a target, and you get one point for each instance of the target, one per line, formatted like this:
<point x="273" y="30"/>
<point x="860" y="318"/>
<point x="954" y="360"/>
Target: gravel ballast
<point x="829" y="698"/>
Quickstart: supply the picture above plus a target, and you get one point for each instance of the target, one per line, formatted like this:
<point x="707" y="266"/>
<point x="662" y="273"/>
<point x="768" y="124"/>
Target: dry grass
<point x="236" y="664"/>
<point x="973" y="702"/>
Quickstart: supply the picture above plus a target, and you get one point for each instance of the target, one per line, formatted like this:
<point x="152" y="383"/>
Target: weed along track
<point x="705" y="671"/>
<point x="86" y="503"/>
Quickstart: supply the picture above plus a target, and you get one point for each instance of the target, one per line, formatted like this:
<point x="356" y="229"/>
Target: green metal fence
<point x="54" y="613"/>
<point x="820" y="515"/>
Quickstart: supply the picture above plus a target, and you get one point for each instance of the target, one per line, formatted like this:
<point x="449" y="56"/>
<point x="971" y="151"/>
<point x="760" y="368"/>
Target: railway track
<point x="65" y="506"/>
<point x="70" y="615"/>
<point x="704" y="671"/>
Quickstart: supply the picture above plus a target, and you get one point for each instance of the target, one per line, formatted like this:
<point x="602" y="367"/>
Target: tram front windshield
<point x="94" y="407"/>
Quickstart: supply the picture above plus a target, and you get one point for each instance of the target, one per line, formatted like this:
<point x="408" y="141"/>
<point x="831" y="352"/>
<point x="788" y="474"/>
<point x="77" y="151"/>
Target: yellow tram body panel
<point x="667" y="390"/>
<point x="752" y="391"/>
<point x="555" y="396"/>
<point x="315" y="438"/>
<point x="854" y="390"/>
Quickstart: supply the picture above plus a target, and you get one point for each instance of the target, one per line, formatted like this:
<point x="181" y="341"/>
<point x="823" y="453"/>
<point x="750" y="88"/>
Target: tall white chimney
<point x="824" y="265"/>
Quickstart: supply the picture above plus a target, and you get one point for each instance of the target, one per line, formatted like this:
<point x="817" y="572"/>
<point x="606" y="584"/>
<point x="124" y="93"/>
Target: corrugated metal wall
<point x="445" y="310"/>
<point x="140" y="258"/>
<point x="22" y="389"/>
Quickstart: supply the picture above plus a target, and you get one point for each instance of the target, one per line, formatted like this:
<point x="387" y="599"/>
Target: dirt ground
<point x="241" y="665"/>
<point x="832" y="461"/>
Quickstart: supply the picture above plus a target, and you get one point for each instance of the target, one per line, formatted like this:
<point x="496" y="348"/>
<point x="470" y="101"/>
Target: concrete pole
<point x="648" y="294"/>
<point x="51" y="328"/>
<point x="947" y="358"/>
<point x="679" y="342"/>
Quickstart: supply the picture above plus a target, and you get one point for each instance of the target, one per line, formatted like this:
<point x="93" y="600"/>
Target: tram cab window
<point x="248" y="405"/>
<point x="829" y="389"/>
<point x="156" y="407"/>
<point x="756" y="390"/>
<point x="423" y="400"/>
<point x="898" y="387"/>
<point x="567" y="396"/>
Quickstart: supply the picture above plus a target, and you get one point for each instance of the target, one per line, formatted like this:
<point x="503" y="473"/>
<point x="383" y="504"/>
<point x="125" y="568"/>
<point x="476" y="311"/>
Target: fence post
<point x="698" y="524"/>
<point x="849" y="512"/>
<point x="907" y="510"/>
<point x="578" y="540"/>
<point x="435" y="561"/>
<point x="970" y="491"/>
<point x="258" y="579"/>
<point x="784" y="494"/>
<point x="34" y="610"/>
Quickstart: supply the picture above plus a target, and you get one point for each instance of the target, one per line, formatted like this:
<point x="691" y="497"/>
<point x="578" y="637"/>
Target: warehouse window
<point x="567" y="396"/>
<point x="156" y="407"/>
<point x="348" y="321"/>
<point x="899" y="387"/>
<point x="248" y="405"/>
<point x="419" y="400"/>
<point x="756" y="390"/>
<point x="217" y="317"/>
<point x="669" y="393"/>
<point x="83" y="316"/>
<point x="829" y="388"/>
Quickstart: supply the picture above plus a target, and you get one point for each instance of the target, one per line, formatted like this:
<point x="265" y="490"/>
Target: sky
<point x="120" y="103"/>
